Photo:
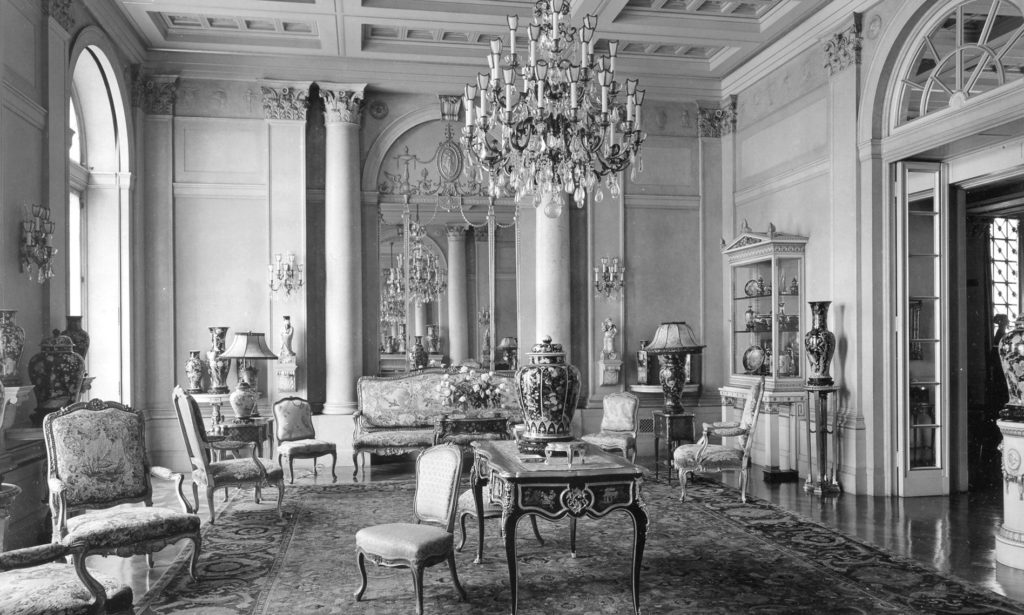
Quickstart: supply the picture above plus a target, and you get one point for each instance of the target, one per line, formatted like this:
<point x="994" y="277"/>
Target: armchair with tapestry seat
<point x="416" y="545"/>
<point x="296" y="438"/>
<point x="618" y="425"/>
<point x="37" y="581"/>
<point x="706" y="457"/>
<point x="97" y="461"/>
<point x="212" y="475"/>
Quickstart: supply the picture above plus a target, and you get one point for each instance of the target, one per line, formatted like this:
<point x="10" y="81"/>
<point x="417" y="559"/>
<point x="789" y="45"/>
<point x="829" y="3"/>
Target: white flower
<point x="464" y="369"/>
<point x="462" y="399"/>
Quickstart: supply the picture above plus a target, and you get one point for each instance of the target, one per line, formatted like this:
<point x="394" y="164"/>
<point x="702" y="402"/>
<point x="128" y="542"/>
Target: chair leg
<point x="280" y="497"/>
<point x="314" y="466"/>
<point x="149" y="559"/>
<point x="361" y="562"/>
<point x="462" y="526"/>
<point x="99" y="593"/>
<point x="195" y="495"/>
<point x="536" y="532"/>
<point x="291" y="468"/>
<point x="334" y="467"/>
<point x="743" y="485"/>
<point x="684" y="475"/>
<point x="209" y="501"/>
<point x="455" y="576"/>
<point x="417" y="582"/>
<point x="355" y="465"/>
<point x="197" y="545"/>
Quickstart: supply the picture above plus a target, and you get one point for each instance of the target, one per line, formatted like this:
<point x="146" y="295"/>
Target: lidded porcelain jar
<point x="548" y="390"/>
<point x="57" y="372"/>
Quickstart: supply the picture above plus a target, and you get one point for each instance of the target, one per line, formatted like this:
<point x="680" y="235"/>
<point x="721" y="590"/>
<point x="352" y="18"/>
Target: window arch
<point x="98" y="222"/>
<point x="976" y="47"/>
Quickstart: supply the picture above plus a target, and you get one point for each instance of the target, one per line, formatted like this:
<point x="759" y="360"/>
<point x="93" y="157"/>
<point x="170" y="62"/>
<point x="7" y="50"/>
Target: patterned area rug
<point x="710" y="554"/>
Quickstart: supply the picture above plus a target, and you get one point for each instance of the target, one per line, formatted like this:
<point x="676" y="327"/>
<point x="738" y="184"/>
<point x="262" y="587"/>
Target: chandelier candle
<point x="566" y="127"/>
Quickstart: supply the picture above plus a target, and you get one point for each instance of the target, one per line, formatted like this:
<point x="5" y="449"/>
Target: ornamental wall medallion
<point x="448" y="160"/>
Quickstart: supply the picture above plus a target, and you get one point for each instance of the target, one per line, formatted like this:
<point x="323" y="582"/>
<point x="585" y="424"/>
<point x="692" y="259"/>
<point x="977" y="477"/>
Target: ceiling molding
<point x="120" y="29"/>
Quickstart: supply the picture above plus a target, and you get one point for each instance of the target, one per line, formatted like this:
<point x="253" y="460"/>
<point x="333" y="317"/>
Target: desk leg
<point x="640" y="520"/>
<point x="657" y="464"/>
<point x="572" y="537"/>
<point x="478" y="499"/>
<point x="508" y="526"/>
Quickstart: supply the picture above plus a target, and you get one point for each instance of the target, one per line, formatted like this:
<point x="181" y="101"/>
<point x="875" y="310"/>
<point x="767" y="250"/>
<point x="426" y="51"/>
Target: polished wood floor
<point x="954" y="535"/>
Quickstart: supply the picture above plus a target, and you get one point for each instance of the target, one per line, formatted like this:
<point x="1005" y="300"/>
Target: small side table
<point x="674" y="428"/>
<point x="827" y="482"/>
<point x="215" y="400"/>
<point x="258" y="430"/>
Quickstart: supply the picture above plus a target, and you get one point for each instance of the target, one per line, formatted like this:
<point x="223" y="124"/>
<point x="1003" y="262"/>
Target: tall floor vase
<point x="12" y="345"/>
<point x="1011" y="356"/>
<point x="820" y="344"/>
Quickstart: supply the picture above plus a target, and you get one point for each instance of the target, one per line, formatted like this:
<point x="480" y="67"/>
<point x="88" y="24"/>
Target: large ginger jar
<point x="548" y="390"/>
<point x="57" y="372"/>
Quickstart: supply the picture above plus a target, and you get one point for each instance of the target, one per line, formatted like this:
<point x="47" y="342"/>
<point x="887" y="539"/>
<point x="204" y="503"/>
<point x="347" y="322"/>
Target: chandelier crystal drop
<point x="556" y="123"/>
<point x="392" y="296"/>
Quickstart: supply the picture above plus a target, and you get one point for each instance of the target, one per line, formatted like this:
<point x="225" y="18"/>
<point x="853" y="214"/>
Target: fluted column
<point x="552" y="278"/>
<point x="458" y="317"/>
<point x="343" y="250"/>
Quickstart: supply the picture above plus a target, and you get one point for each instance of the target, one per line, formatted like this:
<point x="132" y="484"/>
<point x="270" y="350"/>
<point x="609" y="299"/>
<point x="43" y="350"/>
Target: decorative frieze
<point x="717" y="122"/>
<point x="285" y="101"/>
<point x="843" y="49"/>
<point x="341" y="105"/>
<point x="154" y="95"/>
<point x="60" y="10"/>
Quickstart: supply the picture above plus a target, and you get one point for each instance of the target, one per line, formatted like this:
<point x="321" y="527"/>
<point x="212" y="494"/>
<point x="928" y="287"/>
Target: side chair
<point x="212" y="475"/>
<point x="619" y="425"/>
<point x="96" y="458"/>
<point x="414" y="545"/>
<point x="296" y="438"/>
<point x="706" y="457"/>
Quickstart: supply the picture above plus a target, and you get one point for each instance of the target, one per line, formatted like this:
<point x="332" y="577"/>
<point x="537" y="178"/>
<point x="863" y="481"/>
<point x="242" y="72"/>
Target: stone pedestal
<point x="1010" y="535"/>
<point x="610" y="370"/>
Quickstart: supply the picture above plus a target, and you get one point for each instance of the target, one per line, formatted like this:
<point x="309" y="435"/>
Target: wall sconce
<point x="609" y="277"/>
<point x="285" y="274"/>
<point x="37" y="244"/>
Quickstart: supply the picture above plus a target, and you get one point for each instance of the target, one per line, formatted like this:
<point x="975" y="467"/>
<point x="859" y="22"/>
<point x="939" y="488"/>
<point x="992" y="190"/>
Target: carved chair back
<point x="620" y="411"/>
<point x="193" y="430"/>
<point x="293" y="420"/>
<point x="438" y="471"/>
<point x="751" y="412"/>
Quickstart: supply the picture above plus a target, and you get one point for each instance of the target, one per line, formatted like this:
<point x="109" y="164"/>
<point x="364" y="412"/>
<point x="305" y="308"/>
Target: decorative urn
<point x="12" y="344"/>
<point x="820" y="344"/>
<point x="194" y="373"/>
<point x="57" y="372"/>
<point x="1011" y="357"/>
<point x="548" y="390"/>
<point x="78" y="335"/>
<point x="218" y="367"/>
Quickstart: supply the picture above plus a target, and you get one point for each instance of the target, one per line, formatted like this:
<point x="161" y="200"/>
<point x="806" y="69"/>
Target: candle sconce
<point x="285" y="274"/>
<point x="37" y="244"/>
<point x="609" y="278"/>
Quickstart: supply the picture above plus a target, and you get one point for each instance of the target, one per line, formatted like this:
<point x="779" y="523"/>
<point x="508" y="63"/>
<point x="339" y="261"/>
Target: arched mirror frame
<point x="476" y="210"/>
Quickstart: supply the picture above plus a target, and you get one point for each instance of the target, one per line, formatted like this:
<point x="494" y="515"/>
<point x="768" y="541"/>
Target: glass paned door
<point x="922" y="277"/>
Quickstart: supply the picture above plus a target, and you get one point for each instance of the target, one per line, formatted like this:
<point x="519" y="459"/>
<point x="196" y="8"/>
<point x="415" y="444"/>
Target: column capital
<point x="456" y="231"/>
<point x="843" y="48"/>
<point x="60" y="10"/>
<point x="154" y="94"/>
<point x="342" y="102"/>
<point x="716" y="122"/>
<point x="285" y="100"/>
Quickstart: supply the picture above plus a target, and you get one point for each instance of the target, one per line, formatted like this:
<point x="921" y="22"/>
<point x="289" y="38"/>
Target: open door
<point x="922" y="331"/>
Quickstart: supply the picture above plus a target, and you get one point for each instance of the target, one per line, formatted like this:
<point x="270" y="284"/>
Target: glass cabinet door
<point x="788" y="310"/>
<point x="752" y="318"/>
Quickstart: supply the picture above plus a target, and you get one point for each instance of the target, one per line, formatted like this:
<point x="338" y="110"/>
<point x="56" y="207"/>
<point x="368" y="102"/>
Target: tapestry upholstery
<point x="112" y="528"/>
<point x="296" y="437"/>
<point x="411" y="542"/>
<point x="55" y="589"/>
<point x="618" y="424"/>
<point x="398" y="414"/>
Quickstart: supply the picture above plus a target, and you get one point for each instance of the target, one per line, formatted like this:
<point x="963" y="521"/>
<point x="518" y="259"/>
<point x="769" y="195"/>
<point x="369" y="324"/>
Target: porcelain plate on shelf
<point x="752" y="288"/>
<point x="753" y="359"/>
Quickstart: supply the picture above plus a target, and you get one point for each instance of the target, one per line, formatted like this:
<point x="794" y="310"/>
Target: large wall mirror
<point x="448" y="258"/>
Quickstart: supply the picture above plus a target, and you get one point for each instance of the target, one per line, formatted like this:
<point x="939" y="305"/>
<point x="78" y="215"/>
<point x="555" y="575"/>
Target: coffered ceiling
<point x="678" y="45"/>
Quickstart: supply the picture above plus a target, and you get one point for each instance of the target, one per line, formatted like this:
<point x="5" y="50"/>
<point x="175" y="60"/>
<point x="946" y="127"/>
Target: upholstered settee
<point x="409" y="412"/>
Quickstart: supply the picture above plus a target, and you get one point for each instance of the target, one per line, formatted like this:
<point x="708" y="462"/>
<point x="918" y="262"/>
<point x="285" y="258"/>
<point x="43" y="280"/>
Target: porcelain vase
<point x="12" y="345"/>
<point x="548" y="390"/>
<point x="57" y="372"/>
<point x="218" y="367"/>
<point x="194" y="372"/>
<point x="1011" y="357"/>
<point x="78" y="335"/>
<point x="418" y="357"/>
<point x="820" y="344"/>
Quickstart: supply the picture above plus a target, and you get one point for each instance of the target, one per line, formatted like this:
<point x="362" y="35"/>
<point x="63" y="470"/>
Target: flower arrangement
<point x="467" y="388"/>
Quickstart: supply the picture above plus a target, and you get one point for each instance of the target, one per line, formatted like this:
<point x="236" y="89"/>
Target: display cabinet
<point x="766" y="308"/>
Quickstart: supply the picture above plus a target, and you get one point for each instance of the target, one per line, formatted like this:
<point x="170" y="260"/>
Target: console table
<point x="526" y="485"/>
<point x="258" y="430"/>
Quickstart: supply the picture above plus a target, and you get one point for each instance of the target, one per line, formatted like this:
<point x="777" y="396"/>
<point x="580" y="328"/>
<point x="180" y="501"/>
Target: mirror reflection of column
<point x="458" y="317"/>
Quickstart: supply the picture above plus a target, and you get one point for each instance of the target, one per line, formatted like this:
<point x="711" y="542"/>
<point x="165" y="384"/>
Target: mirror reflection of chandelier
<point x="427" y="280"/>
<point x="392" y="295"/>
<point x="566" y="125"/>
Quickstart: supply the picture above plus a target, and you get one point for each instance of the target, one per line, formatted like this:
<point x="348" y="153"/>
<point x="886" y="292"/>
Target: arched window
<point x="98" y="221"/>
<point x="976" y="47"/>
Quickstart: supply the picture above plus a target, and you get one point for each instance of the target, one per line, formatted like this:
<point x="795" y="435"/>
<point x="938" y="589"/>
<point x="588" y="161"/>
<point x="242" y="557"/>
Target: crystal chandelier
<point x="427" y="281"/>
<point x="285" y="275"/>
<point x="392" y="296"/>
<point x="37" y="244"/>
<point x="565" y="126"/>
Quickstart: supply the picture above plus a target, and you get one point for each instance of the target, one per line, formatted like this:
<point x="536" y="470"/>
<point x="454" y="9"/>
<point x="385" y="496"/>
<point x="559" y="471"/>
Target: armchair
<point x="296" y="438"/>
<point x="618" y="425"/>
<point x="706" y="457"/>
<point x="96" y="453"/>
<point x="414" y="545"/>
<point x="227" y="473"/>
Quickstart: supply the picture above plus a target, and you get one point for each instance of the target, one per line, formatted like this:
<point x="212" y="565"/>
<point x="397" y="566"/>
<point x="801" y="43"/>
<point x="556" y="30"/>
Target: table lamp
<point x="509" y="347"/>
<point x="248" y="348"/>
<point x="672" y="343"/>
